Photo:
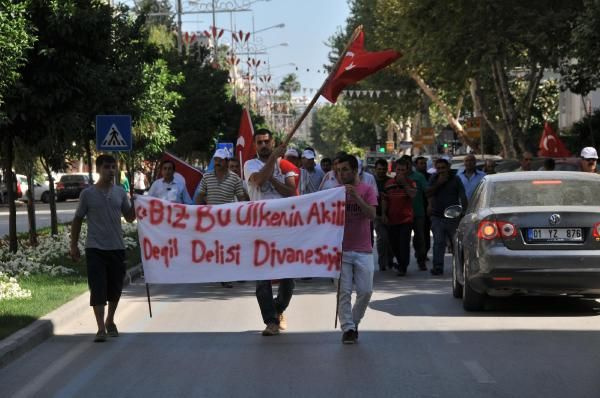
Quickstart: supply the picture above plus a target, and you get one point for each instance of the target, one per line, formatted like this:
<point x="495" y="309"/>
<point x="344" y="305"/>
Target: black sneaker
<point x="349" y="337"/>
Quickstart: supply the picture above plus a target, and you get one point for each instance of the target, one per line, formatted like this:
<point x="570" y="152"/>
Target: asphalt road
<point x="64" y="213"/>
<point x="415" y="341"/>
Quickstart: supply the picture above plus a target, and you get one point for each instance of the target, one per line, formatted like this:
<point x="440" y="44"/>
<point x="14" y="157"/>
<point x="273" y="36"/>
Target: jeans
<point x="271" y="307"/>
<point x="443" y="229"/>
<point x="419" y="242"/>
<point x="427" y="233"/>
<point x="400" y="243"/>
<point x="358" y="268"/>
<point x="384" y="252"/>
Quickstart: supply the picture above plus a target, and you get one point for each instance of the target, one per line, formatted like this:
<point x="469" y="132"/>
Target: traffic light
<point x="445" y="145"/>
<point x="382" y="150"/>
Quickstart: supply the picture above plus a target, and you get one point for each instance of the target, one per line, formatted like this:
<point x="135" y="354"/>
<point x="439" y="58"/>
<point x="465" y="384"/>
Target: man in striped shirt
<point x="220" y="186"/>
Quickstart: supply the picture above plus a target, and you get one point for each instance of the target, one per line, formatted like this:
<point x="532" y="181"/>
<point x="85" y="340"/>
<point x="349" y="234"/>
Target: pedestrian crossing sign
<point x="113" y="132"/>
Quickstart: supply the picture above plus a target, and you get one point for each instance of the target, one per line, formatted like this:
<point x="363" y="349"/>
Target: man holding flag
<point x="266" y="181"/>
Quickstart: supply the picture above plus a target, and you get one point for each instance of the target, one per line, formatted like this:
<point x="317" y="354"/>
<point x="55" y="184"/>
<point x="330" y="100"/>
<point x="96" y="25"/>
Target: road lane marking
<point x="36" y="384"/>
<point x="449" y="337"/>
<point x="94" y="366"/>
<point x="479" y="373"/>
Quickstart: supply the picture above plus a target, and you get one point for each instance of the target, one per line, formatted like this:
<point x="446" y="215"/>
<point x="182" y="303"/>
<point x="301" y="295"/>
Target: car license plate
<point x="555" y="234"/>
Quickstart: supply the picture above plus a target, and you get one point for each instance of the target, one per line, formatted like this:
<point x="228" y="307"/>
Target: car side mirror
<point x="453" y="211"/>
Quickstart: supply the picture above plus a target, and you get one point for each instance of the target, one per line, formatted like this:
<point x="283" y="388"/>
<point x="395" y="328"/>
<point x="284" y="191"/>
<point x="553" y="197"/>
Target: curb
<point x="24" y="340"/>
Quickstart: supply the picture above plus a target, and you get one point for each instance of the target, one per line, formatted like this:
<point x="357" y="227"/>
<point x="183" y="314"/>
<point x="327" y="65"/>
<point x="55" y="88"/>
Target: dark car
<point x="529" y="233"/>
<point x="71" y="185"/>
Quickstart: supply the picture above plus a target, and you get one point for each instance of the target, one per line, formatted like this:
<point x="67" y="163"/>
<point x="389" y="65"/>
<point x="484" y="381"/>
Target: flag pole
<point x="289" y="135"/>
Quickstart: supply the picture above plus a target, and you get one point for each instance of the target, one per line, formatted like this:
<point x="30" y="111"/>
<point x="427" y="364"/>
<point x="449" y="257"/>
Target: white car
<point x="40" y="192"/>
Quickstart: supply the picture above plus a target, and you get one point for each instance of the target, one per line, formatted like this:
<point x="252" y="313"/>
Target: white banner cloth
<point x="294" y="237"/>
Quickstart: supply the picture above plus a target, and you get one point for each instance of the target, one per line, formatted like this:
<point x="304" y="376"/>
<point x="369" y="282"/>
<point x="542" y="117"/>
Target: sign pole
<point x="148" y="295"/>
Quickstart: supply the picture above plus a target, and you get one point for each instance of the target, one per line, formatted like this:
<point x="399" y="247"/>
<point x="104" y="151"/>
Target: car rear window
<point x="544" y="193"/>
<point x="72" y="178"/>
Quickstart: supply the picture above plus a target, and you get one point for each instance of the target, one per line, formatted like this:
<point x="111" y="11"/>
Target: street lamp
<point x="281" y="25"/>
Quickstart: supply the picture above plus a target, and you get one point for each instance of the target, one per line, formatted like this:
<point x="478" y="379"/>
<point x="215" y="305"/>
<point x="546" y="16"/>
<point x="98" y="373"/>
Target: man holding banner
<point x="167" y="187"/>
<point x="357" y="259"/>
<point x="266" y="181"/>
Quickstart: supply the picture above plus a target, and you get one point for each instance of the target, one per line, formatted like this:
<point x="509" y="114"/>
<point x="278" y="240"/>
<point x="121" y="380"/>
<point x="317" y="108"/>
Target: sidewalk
<point x="18" y="343"/>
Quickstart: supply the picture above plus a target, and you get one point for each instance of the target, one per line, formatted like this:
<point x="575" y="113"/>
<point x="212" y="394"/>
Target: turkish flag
<point x="288" y="169"/>
<point x="551" y="145"/>
<point x="356" y="65"/>
<point x="244" y="147"/>
<point x="189" y="173"/>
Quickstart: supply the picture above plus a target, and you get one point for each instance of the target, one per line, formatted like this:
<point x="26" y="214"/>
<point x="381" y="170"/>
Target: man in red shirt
<point x="397" y="212"/>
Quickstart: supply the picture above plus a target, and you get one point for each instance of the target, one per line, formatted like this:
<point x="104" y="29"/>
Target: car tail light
<point x="596" y="230"/>
<point x="489" y="230"/>
<point x="60" y="185"/>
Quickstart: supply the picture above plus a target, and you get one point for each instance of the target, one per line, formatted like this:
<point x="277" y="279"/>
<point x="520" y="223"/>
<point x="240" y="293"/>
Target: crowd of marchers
<point x="386" y="208"/>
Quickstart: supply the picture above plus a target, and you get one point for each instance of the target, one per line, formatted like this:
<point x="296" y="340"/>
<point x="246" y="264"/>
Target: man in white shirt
<point x="266" y="181"/>
<point x="169" y="188"/>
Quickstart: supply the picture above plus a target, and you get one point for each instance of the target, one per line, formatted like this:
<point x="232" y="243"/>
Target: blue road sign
<point x="113" y="133"/>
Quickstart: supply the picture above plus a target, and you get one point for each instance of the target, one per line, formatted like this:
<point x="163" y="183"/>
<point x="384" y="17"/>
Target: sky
<point x="308" y="25"/>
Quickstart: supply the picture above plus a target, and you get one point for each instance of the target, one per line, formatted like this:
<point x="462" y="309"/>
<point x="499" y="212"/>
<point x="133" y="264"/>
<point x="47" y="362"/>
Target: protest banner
<point x="294" y="237"/>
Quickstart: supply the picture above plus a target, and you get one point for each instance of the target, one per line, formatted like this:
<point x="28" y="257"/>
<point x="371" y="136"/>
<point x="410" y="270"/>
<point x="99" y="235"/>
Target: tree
<point x="208" y="112"/>
<point x="289" y="84"/>
<point x="579" y="68"/>
<point x="158" y="12"/>
<point x="475" y="48"/>
<point x="330" y="130"/>
<point x="16" y="39"/>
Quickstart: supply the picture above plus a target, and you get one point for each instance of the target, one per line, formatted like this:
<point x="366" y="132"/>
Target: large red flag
<point x="356" y="65"/>
<point x="244" y="147"/>
<point x="551" y="145"/>
<point x="191" y="174"/>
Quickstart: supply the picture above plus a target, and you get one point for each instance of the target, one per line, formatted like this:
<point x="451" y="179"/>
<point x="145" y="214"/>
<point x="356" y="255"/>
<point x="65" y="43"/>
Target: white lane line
<point x="449" y="337"/>
<point x="479" y="373"/>
<point x="37" y="383"/>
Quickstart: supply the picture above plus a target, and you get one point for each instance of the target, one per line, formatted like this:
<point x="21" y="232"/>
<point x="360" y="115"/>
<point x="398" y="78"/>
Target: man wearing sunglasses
<point x="589" y="159"/>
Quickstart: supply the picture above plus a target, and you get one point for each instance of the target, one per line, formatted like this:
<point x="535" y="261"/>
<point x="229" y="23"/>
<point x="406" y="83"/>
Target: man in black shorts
<point x="102" y="204"/>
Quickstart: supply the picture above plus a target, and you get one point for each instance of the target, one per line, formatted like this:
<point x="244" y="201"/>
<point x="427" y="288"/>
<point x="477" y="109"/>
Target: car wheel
<point x="45" y="197"/>
<point x="472" y="301"/>
<point x="457" y="288"/>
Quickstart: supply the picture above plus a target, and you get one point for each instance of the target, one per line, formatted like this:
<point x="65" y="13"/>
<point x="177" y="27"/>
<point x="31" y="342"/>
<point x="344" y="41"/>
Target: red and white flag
<point x="356" y="65"/>
<point x="244" y="147"/>
<point x="191" y="174"/>
<point x="551" y="145"/>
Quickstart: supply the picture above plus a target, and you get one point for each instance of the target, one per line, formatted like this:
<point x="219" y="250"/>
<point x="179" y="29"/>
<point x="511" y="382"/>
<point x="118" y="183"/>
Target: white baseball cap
<point x="589" y="152"/>
<point x="308" y="154"/>
<point x="221" y="153"/>
<point x="291" y="152"/>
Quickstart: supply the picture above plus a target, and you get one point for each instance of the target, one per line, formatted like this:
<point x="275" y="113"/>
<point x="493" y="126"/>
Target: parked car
<point x="529" y="233"/>
<point x="71" y="185"/>
<point x="21" y="187"/>
<point x="41" y="192"/>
